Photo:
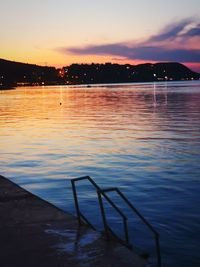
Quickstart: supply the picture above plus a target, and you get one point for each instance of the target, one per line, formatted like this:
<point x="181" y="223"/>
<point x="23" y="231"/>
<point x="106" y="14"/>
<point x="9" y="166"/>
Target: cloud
<point x="170" y="31"/>
<point x="163" y="54"/>
<point x="194" y="31"/>
<point x="175" y="42"/>
<point x="111" y="49"/>
<point x="143" y="53"/>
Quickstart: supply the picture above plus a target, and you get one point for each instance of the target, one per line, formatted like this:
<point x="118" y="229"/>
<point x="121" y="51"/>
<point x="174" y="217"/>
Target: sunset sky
<point x="58" y="33"/>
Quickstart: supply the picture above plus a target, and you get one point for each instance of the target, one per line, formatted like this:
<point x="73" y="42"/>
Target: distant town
<point x="21" y="74"/>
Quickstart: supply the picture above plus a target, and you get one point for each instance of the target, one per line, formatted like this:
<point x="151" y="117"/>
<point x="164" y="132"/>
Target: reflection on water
<point x="143" y="138"/>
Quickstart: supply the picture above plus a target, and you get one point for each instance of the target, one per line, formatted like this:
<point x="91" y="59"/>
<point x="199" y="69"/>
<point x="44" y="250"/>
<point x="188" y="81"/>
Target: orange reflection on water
<point x="84" y="120"/>
<point x="91" y="120"/>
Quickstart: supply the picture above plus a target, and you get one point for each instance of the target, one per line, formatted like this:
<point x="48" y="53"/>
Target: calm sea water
<point x="142" y="138"/>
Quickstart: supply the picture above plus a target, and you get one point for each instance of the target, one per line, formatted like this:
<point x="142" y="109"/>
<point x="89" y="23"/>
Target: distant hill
<point x="15" y="73"/>
<point x="115" y="73"/>
<point x="12" y="73"/>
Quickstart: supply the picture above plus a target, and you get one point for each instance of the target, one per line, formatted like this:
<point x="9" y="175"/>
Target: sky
<point x="61" y="32"/>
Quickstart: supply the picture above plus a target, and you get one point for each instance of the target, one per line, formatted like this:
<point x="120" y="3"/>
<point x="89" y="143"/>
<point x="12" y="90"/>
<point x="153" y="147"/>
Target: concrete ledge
<point x="35" y="233"/>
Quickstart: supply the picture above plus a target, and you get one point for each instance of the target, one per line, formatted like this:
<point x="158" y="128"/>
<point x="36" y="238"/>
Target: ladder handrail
<point x="106" y="227"/>
<point x="98" y="189"/>
<point x="102" y="192"/>
<point x="78" y="212"/>
<point x="150" y="227"/>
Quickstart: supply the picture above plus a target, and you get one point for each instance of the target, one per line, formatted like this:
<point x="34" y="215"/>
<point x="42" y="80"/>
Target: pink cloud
<point x="178" y="41"/>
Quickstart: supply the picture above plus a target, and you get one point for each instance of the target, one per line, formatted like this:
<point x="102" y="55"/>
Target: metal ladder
<point x="102" y="193"/>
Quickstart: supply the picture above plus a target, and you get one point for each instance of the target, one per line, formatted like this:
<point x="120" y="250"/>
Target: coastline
<point x="37" y="233"/>
<point x="4" y="88"/>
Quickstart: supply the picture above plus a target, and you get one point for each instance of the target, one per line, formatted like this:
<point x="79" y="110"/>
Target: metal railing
<point x="149" y="226"/>
<point x="107" y="229"/>
<point x="81" y="217"/>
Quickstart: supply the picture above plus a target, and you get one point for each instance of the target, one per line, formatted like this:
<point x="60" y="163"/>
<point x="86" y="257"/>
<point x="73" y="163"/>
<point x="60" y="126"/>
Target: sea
<point x="142" y="138"/>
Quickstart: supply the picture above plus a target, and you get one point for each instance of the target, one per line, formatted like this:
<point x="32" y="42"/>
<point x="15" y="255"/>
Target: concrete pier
<point x="35" y="233"/>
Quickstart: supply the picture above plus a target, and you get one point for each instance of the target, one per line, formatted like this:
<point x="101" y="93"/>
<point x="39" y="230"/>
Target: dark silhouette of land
<point x="16" y="74"/>
<point x="115" y="73"/>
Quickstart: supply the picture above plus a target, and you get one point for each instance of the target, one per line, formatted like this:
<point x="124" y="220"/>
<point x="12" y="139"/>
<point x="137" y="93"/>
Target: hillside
<point x="15" y="73"/>
<point x="12" y="73"/>
<point x="115" y="73"/>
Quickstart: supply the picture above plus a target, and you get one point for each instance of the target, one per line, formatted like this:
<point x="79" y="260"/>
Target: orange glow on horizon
<point x="57" y="60"/>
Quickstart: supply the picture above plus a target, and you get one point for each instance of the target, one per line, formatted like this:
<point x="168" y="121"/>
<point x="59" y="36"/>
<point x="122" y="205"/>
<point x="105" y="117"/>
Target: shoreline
<point x="36" y="233"/>
<point x="5" y="88"/>
<point x="91" y="85"/>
